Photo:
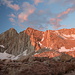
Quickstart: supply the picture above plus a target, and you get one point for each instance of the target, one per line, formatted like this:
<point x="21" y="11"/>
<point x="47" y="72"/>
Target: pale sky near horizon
<point x="38" y="14"/>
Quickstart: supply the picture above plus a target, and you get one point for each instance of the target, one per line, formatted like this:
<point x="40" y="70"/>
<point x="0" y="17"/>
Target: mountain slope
<point x="31" y="41"/>
<point x="15" y="43"/>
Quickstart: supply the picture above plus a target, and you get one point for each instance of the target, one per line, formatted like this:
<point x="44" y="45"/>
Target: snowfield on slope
<point x="10" y="56"/>
<point x="2" y="46"/>
<point x="6" y="56"/>
<point x="63" y="49"/>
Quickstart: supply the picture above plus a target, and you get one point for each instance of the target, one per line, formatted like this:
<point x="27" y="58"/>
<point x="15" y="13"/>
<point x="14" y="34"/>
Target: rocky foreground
<point x="37" y="66"/>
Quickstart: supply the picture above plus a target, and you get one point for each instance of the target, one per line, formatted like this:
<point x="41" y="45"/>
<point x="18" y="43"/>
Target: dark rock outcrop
<point x="36" y="66"/>
<point x="15" y="43"/>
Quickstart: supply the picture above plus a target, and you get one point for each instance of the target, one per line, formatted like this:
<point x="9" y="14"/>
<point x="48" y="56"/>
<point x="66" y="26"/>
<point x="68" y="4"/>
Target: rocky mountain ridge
<point x="31" y="41"/>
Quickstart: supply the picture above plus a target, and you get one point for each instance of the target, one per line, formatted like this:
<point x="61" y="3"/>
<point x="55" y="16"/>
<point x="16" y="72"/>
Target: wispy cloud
<point x="23" y="17"/>
<point x="69" y="2"/>
<point x="55" y="22"/>
<point x="12" y="15"/>
<point x="65" y="12"/>
<point x="10" y="4"/>
<point x="36" y="2"/>
<point x="27" y="9"/>
<point x="12" y="20"/>
<point x="53" y="1"/>
<point x="61" y="16"/>
<point x="39" y="19"/>
<point x="22" y="26"/>
<point x="31" y="15"/>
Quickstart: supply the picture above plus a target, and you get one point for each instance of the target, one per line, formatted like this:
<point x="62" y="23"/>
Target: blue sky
<point x="39" y="14"/>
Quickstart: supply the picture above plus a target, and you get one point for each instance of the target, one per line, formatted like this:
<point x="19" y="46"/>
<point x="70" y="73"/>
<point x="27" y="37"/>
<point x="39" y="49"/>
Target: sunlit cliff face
<point x="53" y="39"/>
<point x="60" y="40"/>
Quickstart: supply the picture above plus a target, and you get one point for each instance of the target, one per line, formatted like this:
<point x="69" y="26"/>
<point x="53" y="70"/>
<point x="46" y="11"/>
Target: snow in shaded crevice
<point x="63" y="49"/>
<point x="2" y="46"/>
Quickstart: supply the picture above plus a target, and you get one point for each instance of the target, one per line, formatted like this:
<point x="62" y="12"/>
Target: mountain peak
<point x="29" y="28"/>
<point x="12" y="29"/>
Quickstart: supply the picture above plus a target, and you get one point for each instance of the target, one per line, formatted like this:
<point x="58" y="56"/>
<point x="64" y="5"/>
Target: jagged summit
<point x="29" y="28"/>
<point x="11" y="29"/>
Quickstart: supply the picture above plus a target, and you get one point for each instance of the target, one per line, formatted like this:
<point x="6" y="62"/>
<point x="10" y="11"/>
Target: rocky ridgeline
<point x="15" y="43"/>
<point x="33" y="40"/>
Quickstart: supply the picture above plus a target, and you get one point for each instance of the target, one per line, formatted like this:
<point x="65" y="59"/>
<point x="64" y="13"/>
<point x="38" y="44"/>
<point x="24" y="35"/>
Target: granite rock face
<point x="9" y="40"/>
<point x="15" y="43"/>
<point x="31" y="40"/>
<point x="53" y="39"/>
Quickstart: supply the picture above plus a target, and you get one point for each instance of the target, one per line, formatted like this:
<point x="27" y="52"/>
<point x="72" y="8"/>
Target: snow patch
<point x="25" y="53"/>
<point x="2" y="46"/>
<point x="22" y="54"/>
<point x="42" y="38"/>
<point x="70" y="36"/>
<point x="61" y="35"/>
<point x="65" y="36"/>
<point x="10" y="56"/>
<point x="56" y="32"/>
<point x="6" y="56"/>
<point x="46" y="47"/>
<point x="63" y="49"/>
<point x="40" y="43"/>
<point x="16" y="57"/>
<point x="36" y="53"/>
